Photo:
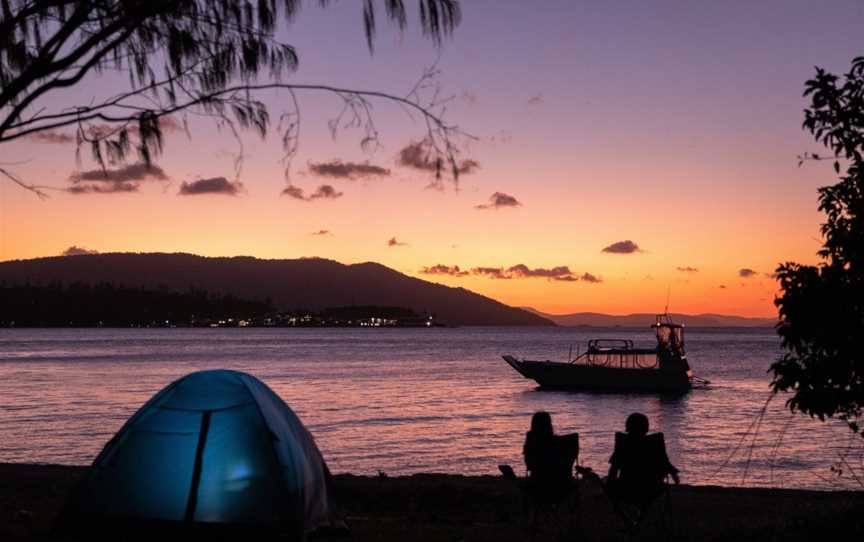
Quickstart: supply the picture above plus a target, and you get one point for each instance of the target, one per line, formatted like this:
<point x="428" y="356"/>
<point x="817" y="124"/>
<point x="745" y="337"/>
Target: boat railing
<point x="619" y="353"/>
<point x="615" y="344"/>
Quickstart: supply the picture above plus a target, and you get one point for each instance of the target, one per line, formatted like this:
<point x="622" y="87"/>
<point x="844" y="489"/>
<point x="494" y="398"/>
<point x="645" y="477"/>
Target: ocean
<point x="402" y="401"/>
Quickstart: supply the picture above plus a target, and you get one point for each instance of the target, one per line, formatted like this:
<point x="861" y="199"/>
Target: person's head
<point x="541" y="424"/>
<point x="636" y="424"/>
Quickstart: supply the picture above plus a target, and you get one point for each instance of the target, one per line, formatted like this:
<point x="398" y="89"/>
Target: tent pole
<point x="196" y="473"/>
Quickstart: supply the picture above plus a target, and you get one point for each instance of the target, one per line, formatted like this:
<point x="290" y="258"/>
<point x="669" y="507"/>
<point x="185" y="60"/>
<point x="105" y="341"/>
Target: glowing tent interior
<point x="214" y="448"/>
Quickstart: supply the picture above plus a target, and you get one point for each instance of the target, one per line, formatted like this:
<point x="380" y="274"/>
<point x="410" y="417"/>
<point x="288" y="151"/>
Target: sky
<point x="622" y="154"/>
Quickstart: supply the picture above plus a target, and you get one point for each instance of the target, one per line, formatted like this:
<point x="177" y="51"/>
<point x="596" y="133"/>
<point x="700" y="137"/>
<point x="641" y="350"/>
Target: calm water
<point x="405" y="401"/>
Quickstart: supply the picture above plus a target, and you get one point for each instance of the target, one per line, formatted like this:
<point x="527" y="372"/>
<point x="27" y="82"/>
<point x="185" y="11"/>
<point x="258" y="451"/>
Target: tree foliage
<point x="111" y="305"/>
<point x="822" y="306"/>
<point x="206" y="57"/>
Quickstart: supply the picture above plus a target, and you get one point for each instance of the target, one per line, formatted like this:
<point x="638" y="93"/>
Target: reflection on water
<point x="404" y="401"/>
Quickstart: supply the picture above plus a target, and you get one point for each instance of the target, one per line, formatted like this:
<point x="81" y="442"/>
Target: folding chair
<point x="550" y="498"/>
<point x="642" y="484"/>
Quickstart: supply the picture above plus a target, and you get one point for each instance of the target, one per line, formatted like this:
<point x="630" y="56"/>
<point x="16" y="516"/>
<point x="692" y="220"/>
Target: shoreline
<point x="454" y="507"/>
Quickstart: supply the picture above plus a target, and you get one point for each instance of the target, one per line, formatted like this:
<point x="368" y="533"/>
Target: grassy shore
<point x="433" y="507"/>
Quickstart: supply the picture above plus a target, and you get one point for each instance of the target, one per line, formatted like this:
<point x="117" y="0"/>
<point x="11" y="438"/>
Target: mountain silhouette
<point x="309" y="283"/>
<point x="596" y="319"/>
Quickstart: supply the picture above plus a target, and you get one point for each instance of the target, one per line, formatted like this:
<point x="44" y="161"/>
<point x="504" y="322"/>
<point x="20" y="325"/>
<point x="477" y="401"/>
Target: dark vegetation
<point x="109" y="305"/>
<point x="105" y="304"/>
<point x="367" y="311"/>
<point x="311" y="284"/>
<point x="822" y="306"/>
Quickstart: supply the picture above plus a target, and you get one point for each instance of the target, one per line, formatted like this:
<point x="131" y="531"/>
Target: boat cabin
<point x="621" y="353"/>
<point x="670" y="345"/>
<point x="670" y="336"/>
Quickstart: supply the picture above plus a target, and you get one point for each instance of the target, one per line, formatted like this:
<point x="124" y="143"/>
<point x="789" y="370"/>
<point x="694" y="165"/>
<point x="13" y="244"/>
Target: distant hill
<point x="311" y="283"/>
<point x="595" y="319"/>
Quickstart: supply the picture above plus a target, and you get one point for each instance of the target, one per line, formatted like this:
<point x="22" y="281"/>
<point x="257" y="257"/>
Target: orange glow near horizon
<point x="266" y="225"/>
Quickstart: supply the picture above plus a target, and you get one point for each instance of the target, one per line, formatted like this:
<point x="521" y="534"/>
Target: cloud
<point x="535" y="100"/>
<point x="214" y="185"/>
<point x="124" y="179"/>
<point x="325" y="191"/>
<point x="491" y="272"/>
<point x="688" y="269"/>
<point x="321" y="233"/>
<point x="130" y="173"/>
<point x="75" y="250"/>
<point x="622" y="247"/>
<point x="347" y="170"/>
<point x="99" y="131"/>
<point x="110" y="188"/>
<point x="499" y="200"/>
<point x="467" y="166"/>
<point x="523" y="271"/>
<point x="722" y="286"/>
<point x="560" y="273"/>
<point x="504" y="136"/>
<point x="421" y="156"/>
<point x="415" y="155"/>
<point x="440" y="269"/>
<point x="588" y="277"/>
<point x="294" y="192"/>
<point x="746" y="273"/>
<point x="52" y="137"/>
<point x="392" y="242"/>
<point x="168" y="124"/>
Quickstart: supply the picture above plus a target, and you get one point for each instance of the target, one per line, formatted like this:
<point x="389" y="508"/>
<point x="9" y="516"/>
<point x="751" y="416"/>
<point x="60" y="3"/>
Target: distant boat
<point x="615" y="365"/>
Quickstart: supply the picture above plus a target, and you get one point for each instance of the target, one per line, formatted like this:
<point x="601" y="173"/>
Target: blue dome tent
<point x="214" y="448"/>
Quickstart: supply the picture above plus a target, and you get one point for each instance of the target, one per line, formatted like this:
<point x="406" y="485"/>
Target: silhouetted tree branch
<point x="209" y="57"/>
<point x="822" y="306"/>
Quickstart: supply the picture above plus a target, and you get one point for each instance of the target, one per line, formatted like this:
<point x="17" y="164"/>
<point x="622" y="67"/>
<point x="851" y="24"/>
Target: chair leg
<point x="575" y="518"/>
<point x="667" y="516"/>
<point x="656" y="516"/>
<point x="558" y="521"/>
<point x="537" y="519"/>
<point x="574" y="512"/>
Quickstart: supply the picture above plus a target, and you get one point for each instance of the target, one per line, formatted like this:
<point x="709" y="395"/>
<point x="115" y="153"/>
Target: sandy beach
<point x="433" y="507"/>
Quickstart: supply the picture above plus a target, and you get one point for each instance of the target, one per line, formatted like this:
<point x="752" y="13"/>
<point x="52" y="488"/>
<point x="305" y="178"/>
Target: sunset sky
<point x="664" y="132"/>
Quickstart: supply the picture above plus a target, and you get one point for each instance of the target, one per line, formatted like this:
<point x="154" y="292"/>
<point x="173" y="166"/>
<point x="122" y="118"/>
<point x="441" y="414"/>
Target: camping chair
<point x="551" y="501"/>
<point x="642" y="483"/>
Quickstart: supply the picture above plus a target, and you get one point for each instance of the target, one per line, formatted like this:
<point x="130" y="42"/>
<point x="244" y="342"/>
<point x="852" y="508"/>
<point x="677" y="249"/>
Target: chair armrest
<point x="508" y="472"/>
<point x="587" y="473"/>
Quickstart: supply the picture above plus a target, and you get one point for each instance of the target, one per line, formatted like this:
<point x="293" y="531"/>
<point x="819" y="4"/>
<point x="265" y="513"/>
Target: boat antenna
<point x="668" y="295"/>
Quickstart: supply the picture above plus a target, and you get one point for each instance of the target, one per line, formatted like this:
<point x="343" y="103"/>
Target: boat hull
<point x="571" y="376"/>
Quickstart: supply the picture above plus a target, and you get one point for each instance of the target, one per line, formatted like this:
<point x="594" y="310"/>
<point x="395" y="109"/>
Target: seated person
<point x="549" y="459"/>
<point x="639" y="465"/>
